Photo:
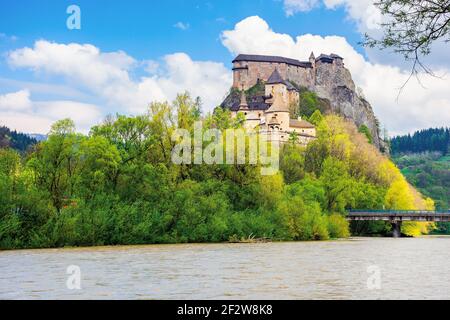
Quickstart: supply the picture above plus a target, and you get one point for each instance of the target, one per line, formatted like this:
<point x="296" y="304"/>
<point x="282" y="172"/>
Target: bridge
<point x="396" y="217"/>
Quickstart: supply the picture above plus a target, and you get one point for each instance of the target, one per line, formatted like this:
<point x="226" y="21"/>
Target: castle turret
<point x="278" y="111"/>
<point x="312" y="59"/>
<point x="243" y="106"/>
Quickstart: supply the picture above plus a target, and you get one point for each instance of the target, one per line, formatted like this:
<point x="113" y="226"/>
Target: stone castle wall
<point x="247" y="73"/>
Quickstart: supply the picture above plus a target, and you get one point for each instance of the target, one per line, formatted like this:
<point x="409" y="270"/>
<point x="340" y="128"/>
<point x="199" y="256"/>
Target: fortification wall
<point x="301" y="76"/>
<point x="247" y="73"/>
<point x="254" y="71"/>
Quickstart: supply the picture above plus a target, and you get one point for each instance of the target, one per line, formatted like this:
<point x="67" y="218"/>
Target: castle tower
<point x="312" y="59"/>
<point x="243" y="106"/>
<point x="251" y="118"/>
<point x="278" y="113"/>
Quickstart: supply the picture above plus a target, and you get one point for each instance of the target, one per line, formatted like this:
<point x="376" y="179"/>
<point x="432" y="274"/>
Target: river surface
<point x="357" y="268"/>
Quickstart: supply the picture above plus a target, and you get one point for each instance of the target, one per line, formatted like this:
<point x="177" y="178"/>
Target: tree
<point x="399" y="196"/>
<point x="411" y="27"/>
<point x="292" y="163"/>
<point x="435" y="139"/>
<point x="337" y="184"/>
<point x="56" y="162"/>
<point x="15" y="140"/>
<point x="309" y="103"/>
<point x="365" y="130"/>
<point x="316" y="118"/>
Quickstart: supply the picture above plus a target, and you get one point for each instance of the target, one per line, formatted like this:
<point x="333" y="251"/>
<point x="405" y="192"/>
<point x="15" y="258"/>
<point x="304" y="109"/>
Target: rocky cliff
<point x="335" y="85"/>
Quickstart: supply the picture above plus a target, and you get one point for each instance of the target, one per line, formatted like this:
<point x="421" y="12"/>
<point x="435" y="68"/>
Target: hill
<point x="12" y="139"/>
<point x="428" y="140"/>
<point x="430" y="173"/>
<point x="424" y="160"/>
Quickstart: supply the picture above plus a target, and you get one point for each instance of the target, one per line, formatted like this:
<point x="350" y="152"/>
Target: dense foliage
<point x="15" y="140"/>
<point x="430" y="173"/>
<point x="366" y="131"/>
<point x="422" y="141"/>
<point x="309" y="103"/>
<point x="118" y="185"/>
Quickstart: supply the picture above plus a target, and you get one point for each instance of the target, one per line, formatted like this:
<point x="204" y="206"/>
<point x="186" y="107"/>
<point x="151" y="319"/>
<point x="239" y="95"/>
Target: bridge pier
<point x="396" y="229"/>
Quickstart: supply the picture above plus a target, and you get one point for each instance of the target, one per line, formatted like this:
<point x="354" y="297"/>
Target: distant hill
<point x="37" y="136"/>
<point x="430" y="173"/>
<point x="424" y="159"/>
<point x="15" y="140"/>
<point x="428" y="140"/>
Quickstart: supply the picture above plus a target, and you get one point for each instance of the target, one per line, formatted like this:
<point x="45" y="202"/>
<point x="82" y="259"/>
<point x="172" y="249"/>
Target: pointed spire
<point x="243" y="104"/>
<point x="275" y="78"/>
<point x="312" y="56"/>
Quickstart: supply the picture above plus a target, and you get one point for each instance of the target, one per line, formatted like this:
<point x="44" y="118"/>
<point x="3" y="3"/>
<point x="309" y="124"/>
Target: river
<point x="357" y="268"/>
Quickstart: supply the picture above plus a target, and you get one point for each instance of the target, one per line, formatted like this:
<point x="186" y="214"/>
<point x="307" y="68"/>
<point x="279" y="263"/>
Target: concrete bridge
<point x="396" y="217"/>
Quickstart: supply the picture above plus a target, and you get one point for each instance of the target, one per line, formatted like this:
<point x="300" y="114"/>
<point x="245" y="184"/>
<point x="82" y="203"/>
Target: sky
<point x="127" y="54"/>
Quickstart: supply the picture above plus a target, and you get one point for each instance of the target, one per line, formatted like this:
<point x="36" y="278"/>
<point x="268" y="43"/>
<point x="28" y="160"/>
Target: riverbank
<point x="244" y="241"/>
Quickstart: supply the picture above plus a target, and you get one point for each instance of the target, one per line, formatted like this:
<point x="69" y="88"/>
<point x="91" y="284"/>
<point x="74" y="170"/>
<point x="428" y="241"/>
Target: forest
<point x="15" y="140"/>
<point x="424" y="160"/>
<point x="118" y="185"/>
<point x="436" y="139"/>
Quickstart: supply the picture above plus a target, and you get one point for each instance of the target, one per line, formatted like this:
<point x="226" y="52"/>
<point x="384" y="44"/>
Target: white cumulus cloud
<point x="19" y="112"/>
<point x="109" y="76"/>
<point x="416" y="108"/>
<point x="363" y="12"/>
<point x="293" y="6"/>
<point x="19" y="100"/>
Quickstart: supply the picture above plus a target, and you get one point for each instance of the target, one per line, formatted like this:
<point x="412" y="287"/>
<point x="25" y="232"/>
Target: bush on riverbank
<point x="118" y="185"/>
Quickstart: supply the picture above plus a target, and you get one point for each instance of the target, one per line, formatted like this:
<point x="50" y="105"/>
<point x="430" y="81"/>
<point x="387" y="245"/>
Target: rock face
<point x="326" y="76"/>
<point x="335" y="84"/>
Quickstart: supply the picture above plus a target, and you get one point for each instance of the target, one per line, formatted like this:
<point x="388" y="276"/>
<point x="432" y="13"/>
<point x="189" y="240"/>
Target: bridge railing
<point x="395" y="212"/>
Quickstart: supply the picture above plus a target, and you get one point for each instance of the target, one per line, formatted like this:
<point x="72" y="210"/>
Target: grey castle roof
<point x="272" y="59"/>
<point x="300" y="124"/>
<point x="276" y="78"/>
<point x="254" y="103"/>
<point x="328" y="58"/>
<point x="290" y="86"/>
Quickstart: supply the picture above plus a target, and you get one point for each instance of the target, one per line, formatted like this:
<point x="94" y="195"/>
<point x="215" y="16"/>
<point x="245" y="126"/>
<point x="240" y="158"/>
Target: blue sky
<point x="146" y="29"/>
<point x="142" y="51"/>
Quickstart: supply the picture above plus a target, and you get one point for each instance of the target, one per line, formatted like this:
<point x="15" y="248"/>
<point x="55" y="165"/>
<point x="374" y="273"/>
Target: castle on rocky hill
<point x="270" y="112"/>
<point x="266" y="87"/>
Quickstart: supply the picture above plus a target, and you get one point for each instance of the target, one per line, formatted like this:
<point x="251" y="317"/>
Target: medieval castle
<point x="270" y="113"/>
